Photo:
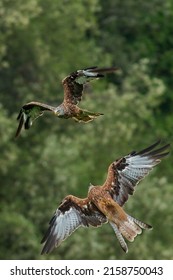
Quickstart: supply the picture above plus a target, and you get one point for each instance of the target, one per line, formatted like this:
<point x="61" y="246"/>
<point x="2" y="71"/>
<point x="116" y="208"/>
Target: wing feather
<point x="30" y="112"/>
<point x="125" y="173"/>
<point x="74" y="83"/>
<point x="71" y="214"/>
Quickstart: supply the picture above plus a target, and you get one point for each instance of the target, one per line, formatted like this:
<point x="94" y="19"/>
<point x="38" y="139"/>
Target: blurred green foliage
<point x="40" y="43"/>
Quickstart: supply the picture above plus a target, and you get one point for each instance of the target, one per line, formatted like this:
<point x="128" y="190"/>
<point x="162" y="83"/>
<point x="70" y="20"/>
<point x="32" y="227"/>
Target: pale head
<point x="59" y="111"/>
<point x="90" y="187"/>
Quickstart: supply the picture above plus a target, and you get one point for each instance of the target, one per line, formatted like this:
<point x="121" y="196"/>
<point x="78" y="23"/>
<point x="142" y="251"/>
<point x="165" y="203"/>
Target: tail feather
<point x="132" y="227"/>
<point x="129" y="229"/>
<point x="139" y="223"/>
<point x="86" y="116"/>
<point x="119" y="237"/>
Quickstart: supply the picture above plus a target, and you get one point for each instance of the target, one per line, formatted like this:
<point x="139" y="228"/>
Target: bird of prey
<point x="105" y="203"/>
<point x="73" y="86"/>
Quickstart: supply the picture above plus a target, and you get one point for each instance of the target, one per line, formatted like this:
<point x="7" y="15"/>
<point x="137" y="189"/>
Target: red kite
<point x="105" y="203"/>
<point x="73" y="89"/>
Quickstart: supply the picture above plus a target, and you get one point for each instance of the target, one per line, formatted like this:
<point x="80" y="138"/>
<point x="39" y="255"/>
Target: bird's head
<point x="59" y="111"/>
<point x="90" y="187"/>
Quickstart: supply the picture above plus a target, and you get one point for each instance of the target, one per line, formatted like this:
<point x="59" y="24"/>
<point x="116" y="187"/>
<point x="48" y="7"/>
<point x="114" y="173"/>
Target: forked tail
<point x="129" y="229"/>
<point x="86" y="116"/>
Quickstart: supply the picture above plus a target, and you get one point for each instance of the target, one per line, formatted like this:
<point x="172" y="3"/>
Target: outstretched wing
<point x="29" y="112"/>
<point x="125" y="173"/>
<point x="71" y="214"/>
<point x="74" y="83"/>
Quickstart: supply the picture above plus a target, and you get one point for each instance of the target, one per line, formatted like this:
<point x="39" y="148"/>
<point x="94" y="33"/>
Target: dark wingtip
<point x="24" y="121"/>
<point x="19" y="115"/>
<point x="151" y="147"/>
<point x="48" y="246"/>
<point x="105" y="69"/>
<point x="90" y="68"/>
<point x="28" y="123"/>
<point x="43" y="251"/>
<point x="21" y="123"/>
<point x="99" y="76"/>
<point x="158" y="152"/>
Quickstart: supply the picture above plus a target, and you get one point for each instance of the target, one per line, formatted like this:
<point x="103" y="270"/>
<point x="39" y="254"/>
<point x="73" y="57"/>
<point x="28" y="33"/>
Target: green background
<point x="42" y="41"/>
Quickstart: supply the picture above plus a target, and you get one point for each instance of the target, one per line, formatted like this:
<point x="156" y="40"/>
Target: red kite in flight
<point x="73" y="89"/>
<point x="105" y="203"/>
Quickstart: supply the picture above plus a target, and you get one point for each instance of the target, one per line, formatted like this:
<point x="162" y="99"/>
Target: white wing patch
<point x="66" y="221"/>
<point x="61" y="226"/>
